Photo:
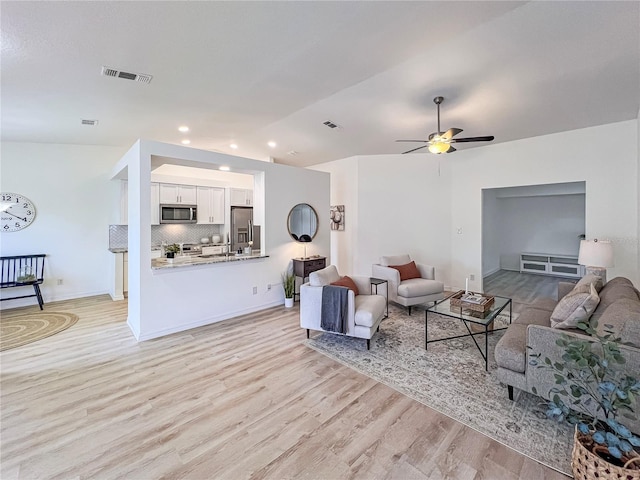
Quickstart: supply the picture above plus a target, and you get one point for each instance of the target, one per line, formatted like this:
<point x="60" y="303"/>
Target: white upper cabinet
<point x="155" y="204"/>
<point x="210" y="205"/>
<point x="178" y="194"/>
<point x="241" y="197"/>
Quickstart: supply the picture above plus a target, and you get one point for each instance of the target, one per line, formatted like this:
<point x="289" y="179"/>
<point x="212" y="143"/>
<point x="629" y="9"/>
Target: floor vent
<point x="137" y="77"/>
<point x="90" y="122"/>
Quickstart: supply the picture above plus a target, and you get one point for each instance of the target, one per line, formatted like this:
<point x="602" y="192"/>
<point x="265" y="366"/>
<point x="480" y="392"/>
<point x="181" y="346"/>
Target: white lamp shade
<point x="596" y="253"/>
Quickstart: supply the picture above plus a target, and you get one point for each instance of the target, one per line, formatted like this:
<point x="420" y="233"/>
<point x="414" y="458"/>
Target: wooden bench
<point x="21" y="271"/>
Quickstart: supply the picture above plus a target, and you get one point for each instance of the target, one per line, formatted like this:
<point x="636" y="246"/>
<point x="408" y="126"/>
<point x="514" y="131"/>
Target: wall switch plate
<point x="268" y="287"/>
<point x="472" y="277"/>
<point x="459" y="231"/>
<point x="59" y="282"/>
<point x="255" y="290"/>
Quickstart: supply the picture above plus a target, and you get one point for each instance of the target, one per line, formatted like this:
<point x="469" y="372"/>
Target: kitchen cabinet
<point x="217" y="250"/>
<point x="241" y="197"/>
<point x="178" y="194"/>
<point x="156" y="254"/>
<point x="124" y="204"/>
<point x="155" y="204"/>
<point x="210" y="205"/>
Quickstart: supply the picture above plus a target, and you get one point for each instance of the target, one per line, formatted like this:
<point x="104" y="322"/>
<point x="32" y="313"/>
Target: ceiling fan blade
<point x="450" y="133"/>
<point x="423" y="141"/>
<point x="488" y="138"/>
<point x="451" y="149"/>
<point x="409" y="151"/>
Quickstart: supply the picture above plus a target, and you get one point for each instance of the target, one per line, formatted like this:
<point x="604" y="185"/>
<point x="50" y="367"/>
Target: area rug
<point x="18" y="331"/>
<point x="450" y="377"/>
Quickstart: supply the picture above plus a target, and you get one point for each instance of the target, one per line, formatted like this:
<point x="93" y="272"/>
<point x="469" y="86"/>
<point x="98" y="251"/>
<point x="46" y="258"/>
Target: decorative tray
<point x="477" y="303"/>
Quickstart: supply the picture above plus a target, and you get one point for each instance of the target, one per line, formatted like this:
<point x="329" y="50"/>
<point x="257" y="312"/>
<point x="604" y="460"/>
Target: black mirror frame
<point x="293" y="235"/>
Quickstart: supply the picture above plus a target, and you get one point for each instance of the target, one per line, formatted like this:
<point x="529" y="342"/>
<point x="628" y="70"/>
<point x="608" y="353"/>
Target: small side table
<point x="302" y="267"/>
<point x="376" y="282"/>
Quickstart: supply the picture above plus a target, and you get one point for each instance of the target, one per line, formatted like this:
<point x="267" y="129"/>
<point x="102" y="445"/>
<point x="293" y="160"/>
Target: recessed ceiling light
<point x="183" y="129"/>
<point x="234" y="146"/>
<point x="186" y="142"/>
<point x="224" y="168"/>
<point x="272" y="144"/>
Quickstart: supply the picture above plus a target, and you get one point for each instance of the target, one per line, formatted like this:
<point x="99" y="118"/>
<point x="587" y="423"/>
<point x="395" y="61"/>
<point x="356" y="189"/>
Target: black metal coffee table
<point x="468" y="316"/>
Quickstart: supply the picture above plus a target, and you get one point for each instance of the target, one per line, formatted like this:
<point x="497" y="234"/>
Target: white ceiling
<point x="250" y="72"/>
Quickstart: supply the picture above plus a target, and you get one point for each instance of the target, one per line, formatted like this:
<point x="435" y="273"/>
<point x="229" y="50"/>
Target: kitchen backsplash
<point x="169" y="233"/>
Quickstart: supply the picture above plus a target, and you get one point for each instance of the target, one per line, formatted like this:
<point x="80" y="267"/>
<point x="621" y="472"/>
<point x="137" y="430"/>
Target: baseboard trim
<point x="142" y="337"/>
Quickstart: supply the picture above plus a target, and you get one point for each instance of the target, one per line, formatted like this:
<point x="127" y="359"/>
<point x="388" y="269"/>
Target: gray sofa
<point x="619" y="308"/>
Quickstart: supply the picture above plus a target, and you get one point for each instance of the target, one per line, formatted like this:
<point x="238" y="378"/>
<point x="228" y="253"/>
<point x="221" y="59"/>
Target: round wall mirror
<point x="302" y="223"/>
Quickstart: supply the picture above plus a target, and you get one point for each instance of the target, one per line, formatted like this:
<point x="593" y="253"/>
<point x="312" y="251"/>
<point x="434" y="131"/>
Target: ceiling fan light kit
<point x="440" y="142"/>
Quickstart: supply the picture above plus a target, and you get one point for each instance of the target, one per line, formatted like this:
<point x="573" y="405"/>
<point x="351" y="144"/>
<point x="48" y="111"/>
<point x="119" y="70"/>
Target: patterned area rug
<point x="450" y="377"/>
<point x="18" y="331"/>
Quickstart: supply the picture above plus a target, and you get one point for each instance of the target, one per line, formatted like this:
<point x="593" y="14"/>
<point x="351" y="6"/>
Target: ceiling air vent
<point x="330" y="124"/>
<point x="292" y="152"/>
<point x="90" y="122"/>
<point x="137" y="77"/>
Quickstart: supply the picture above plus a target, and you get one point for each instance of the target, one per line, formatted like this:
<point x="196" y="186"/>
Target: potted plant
<point x="289" y="284"/>
<point x="592" y="377"/>
<point x="171" y="250"/>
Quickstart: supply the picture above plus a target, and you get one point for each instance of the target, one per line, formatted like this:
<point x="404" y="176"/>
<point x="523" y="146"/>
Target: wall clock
<point x="17" y="212"/>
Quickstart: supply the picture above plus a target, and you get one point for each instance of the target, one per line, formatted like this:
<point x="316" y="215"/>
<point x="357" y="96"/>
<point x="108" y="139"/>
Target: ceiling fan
<point x="440" y="142"/>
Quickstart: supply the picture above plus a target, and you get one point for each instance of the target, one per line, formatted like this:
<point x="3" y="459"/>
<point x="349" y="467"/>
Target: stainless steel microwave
<point x="178" y="214"/>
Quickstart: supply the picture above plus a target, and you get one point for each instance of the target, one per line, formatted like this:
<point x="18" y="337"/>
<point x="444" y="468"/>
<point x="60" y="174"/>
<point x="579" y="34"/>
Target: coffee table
<point x="467" y="316"/>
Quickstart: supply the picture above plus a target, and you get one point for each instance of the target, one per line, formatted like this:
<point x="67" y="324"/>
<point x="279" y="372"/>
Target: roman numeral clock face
<point x="17" y="212"/>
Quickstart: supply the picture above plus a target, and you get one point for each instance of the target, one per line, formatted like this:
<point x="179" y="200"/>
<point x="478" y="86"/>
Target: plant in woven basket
<point x="592" y="374"/>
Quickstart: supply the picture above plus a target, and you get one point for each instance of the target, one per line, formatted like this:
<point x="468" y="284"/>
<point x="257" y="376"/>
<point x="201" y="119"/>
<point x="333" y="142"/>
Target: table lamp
<point x="596" y="255"/>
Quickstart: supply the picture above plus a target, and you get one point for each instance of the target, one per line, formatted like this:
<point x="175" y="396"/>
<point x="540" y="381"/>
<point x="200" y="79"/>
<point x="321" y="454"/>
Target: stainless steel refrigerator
<point x="243" y="230"/>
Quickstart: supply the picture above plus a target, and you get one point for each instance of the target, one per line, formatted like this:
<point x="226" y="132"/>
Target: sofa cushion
<point x="534" y="316"/>
<point x="419" y="287"/>
<point x="323" y="277"/>
<point x="407" y="271"/>
<point x="510" y="352"/>
<point x="588" y="280"/>
<point x="544" y="303"/>
<point x="394" y="260"/>
<point x="575" y="307"/>
<point x="348" y="282"/>
<point x="615" y="290"/>
<point x="369" y="308"/>
<point x="623" y="319"/>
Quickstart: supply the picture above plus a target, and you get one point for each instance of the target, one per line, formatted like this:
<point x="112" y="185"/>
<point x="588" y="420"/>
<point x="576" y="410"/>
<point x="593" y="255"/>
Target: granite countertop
<point x="191" y="260"/>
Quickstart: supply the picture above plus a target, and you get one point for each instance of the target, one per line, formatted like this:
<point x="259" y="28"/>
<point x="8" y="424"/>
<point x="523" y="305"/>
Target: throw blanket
<point x="333" y="316"/>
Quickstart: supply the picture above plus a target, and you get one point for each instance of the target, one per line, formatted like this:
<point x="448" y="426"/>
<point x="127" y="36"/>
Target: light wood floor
<point x="239" y="399"/>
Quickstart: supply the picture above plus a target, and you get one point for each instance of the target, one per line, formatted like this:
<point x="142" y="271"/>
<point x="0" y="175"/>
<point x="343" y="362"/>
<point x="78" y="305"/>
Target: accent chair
<point x="409" y="284"/>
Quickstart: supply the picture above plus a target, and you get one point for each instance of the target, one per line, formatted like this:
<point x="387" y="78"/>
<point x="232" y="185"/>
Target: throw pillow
<point x="408" y="271"/>
<point x="575" y="307"/>
<point x="589" y="279"/>
<point x="347" y="282"/>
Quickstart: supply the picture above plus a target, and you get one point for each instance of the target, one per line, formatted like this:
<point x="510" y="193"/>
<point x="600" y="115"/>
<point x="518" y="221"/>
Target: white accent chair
<point x="410" y="292"/>
<point x="365" y="311"/>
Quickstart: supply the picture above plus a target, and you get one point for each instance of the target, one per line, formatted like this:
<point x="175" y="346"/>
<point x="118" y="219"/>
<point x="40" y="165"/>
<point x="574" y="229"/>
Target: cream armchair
<point x="364" y="311"/>
<point x="413" y="291"/>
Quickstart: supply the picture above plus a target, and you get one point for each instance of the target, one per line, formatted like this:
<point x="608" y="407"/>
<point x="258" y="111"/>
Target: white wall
<point x="608" y="168"/>
<point x="402" y="206"/>
<point x="75" y="203"/>
<point x="406" y="205"/>
<point x="171" y="300"/>
<point x="541" y="224"/>
<point x="344" y="191"/>
<point x="491" y="229"/>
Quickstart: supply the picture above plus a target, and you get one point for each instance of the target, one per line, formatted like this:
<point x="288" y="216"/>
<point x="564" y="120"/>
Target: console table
<point x="302" y="267"/>
<point x="549" y="264"/>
